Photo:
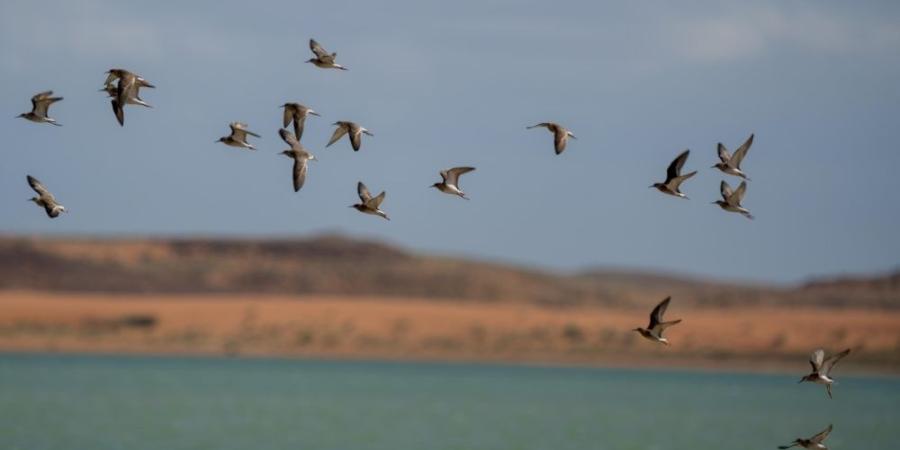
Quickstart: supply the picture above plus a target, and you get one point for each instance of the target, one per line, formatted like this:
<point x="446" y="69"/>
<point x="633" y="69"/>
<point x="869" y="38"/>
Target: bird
<point x="299" y="155"/>
<point x="112" y="91"/>
<point x="45" y="199"/>
<point x="450" y="185"/>
<point x="560" y="134"/>
<point x="354" y="130"/>
<point x="674" y="177"/>
<point x="323" y="59"/>
<point x="821" y="368"/>
<point x="369" y="204"/>
<point x="297" y="113"/>
<point x="731" y="201"/>
<point x="731" y="164"/>
<point x="127" y="89"/>
<point x="813" y="443"/>
<point x="654" y="331"/>
<point x="39" y="105"/>
<point x="238" y="136"/>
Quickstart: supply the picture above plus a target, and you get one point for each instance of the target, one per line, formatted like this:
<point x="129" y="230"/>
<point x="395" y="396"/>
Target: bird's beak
<point x="572" y="136"/>
<point x="801" y="380"/>
<point x="314" y="113"/>
<point x="712" y="166"/>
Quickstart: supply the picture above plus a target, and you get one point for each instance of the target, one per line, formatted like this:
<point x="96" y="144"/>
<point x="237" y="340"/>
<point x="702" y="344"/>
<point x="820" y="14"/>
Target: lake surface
<point x="137" y="403"/>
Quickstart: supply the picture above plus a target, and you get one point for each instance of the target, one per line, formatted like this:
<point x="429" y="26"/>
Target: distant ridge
<point x="338" y="265"/>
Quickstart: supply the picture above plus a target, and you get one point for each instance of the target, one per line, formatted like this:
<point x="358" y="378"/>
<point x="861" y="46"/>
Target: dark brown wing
<point x="119" y="111"/>
<point x="725" y="190"/>
<point x="36" y="185"/>
<point x="363" y="192"/>
<point x="317" y="49"/>
<point x="560" y="138"/>
<point x="676" y="165"/>
<point x="656" y="316"/>
<point x="288" y="138"/>
<point x="724" y="156"/>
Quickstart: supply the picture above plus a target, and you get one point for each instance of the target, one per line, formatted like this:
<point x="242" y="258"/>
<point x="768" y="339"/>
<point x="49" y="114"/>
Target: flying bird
<point x="323" y="59"/>
<point x="238" y="136"/>
<point x="369" y="204"/>
<point x="731" y="164"/>
<point x="45" y="199"/>
<point x="450" y="185"/>
<point x="353" y="130"/>
<point x="112" y="91"/>
<point x="654" y="331"/>
<point x="813" y="443"/>
<point x="821" y="368"/>
<point x="560" y="135"/>
<point x="297" y="113"/>
<point x="39" y="104"/>
<point x="299" y="155"/>
<point x="674" y="177"/>
<point x="127" y="86"/>
<point x="731" y="201"/>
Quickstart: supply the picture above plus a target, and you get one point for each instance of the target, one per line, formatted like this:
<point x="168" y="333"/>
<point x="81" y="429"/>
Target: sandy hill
<point x="336" y="265"/>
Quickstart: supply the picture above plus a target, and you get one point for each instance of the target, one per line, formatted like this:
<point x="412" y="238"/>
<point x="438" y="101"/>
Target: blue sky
<point x="455" y="83"/>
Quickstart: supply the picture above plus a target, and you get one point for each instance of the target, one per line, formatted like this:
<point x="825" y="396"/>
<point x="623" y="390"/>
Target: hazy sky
<point x="455" y="83"/>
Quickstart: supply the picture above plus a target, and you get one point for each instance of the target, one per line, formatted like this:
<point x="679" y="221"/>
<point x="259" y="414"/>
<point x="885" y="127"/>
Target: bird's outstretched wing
<point x="829" y="362"/>
<point x="355" y="136"/>
<point x="300" y="169"/>
<point x="724" y="156"/>
<point x="451" y="176"/>
<point x="375" y="202"/>
<point x="363" y="192"/>
<point x="288" y="114"/>
<point x="317" y="49"/>
<point x="560" y="138"/>
<point x="675" y="166"/>
<point x="741" y="152"/>
<point x="725" y="190"/>
<point x="289" y="138"/>
<point x="816" y="360"/>
<point x="656" y="316"/>
<point x="37" y="186"/>
<point x="738" y="196"/>
<point x="339" y="132"/>
<point x="822" y="435"/>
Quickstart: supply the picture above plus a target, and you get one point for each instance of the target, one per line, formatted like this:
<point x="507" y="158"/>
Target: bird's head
<point x="222" y="139"/>
<point x="656" y="185"/>
<point x="311" y="60"/>
<point x="719" y="202"/>
<point x="22" y="115"/>
<point x="312" y="157"/>
<point x="286" y="153"/>
<point x="435" y="185"/>
<point x="35" y="200"/>
<point x="638" y="329"/>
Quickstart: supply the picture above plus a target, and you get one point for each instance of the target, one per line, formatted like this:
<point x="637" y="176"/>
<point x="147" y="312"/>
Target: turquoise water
<point x="136" y="403"/>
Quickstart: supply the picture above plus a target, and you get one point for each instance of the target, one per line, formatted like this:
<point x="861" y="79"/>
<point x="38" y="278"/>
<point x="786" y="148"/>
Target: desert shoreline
<point x="762" y="339"/>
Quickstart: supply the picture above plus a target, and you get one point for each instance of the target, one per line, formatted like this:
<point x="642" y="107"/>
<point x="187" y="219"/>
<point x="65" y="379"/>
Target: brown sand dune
<point x="337" y="297"/>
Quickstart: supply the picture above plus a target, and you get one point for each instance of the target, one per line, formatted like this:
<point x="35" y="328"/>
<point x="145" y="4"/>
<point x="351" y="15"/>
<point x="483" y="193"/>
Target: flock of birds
<point x="123" y="88"/>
